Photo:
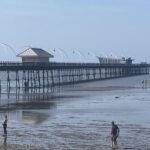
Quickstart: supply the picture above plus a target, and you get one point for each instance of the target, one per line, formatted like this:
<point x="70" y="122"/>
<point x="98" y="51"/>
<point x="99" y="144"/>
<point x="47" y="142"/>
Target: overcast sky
<point x="90" y="27"/>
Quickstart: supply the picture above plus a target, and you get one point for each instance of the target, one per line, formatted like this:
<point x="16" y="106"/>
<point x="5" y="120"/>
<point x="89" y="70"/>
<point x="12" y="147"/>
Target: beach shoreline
<point x="80" y="118"/>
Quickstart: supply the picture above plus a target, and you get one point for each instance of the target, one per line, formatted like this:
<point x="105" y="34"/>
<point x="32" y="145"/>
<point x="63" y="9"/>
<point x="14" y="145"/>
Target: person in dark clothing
<point x="114" y="134"/>
<point x="5" y="125"/>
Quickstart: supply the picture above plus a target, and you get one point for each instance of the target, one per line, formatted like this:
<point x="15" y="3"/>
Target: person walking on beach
<point x="114" y="134"/>
<point x="142" y="83"/>
<point x="5" y="125"/>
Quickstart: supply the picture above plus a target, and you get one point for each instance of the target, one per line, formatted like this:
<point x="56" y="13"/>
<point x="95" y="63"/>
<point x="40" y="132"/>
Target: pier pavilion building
<point x="35" y="55"/>
<point x="109" y="60"/>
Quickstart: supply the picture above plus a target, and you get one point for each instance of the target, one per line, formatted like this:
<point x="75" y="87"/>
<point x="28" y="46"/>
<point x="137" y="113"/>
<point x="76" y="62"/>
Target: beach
<point x="78" y="117"/>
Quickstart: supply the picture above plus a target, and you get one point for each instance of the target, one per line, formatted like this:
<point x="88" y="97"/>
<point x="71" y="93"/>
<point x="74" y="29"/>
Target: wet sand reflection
<point x="34" y="117"/>
<point x="79" y="119"/>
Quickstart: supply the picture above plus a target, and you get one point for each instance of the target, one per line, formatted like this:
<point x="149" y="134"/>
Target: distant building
<point x="129" y="61"/>
<point x="107" y="60"/>
<point x="35" y="55"/>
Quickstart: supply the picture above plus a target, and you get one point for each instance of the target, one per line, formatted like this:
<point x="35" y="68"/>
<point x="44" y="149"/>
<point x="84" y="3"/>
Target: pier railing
<point x="61" y="64"/>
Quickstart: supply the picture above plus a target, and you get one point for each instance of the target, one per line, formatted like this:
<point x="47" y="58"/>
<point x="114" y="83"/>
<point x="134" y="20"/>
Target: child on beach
<point x="5" y="125"/>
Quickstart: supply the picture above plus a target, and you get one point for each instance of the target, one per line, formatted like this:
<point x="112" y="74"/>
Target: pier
<point x="41" y="75"/>
<point x="37" y="71"/>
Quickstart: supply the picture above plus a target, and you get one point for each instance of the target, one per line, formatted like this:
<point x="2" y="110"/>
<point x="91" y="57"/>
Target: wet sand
<point x="80" y="118"/>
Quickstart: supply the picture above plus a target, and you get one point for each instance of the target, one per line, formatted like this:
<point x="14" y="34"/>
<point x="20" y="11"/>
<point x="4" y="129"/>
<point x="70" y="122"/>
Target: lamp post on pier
<point x="81" y="56"/>
<point x="7" y="46"/>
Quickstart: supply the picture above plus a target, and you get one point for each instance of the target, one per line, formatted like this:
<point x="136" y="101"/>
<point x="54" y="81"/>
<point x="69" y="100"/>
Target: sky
<point x="78" y="30"/>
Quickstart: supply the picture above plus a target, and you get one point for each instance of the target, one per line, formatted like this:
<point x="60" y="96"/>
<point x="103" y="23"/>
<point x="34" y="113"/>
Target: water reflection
<point x="20" y="96"/>
<point x="30" y="107"/>
<point x="37" y="112"/>
<point x="34" y="117"/>
<point x="5" y="143"/>
<point x="30" y="113"/>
